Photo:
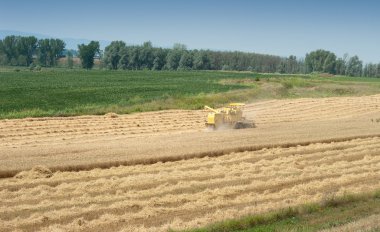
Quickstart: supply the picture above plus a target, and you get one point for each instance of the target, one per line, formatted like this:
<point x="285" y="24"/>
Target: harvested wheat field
<point x="79" y="143"/>
<point x="160" y="170"/>
<point x="189" y="192"/>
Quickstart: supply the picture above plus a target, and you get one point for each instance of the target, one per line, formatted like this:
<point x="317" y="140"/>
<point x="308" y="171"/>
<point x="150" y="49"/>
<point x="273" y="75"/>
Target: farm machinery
<point x="228" y="117"/>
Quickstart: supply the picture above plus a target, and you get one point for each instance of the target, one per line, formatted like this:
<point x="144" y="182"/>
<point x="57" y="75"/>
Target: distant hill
<point x="71" y="43"/>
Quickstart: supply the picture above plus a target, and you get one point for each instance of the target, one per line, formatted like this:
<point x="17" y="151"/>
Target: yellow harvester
<point x="229" y="117"/>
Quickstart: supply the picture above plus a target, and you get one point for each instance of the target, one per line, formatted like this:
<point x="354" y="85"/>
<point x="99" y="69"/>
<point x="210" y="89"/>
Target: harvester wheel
<point x="238" y="125"/>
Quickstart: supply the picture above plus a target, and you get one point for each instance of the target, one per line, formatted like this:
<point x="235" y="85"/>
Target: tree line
<point x="118" y="55"/>
<point x="26" y="51"/>
<point x="30" y="51"/>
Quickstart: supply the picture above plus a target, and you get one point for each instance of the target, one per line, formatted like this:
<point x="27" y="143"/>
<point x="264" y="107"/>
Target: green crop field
<point x="95" y="92"/>
<point x="64" y="92"/>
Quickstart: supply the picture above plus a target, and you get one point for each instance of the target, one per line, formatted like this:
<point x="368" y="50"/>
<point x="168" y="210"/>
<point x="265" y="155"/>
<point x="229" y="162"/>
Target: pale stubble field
<point x="175" y="174"/>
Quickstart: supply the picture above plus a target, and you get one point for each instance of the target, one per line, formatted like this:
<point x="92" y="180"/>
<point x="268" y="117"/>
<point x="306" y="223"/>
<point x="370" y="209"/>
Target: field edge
<point x="270" y="221"/>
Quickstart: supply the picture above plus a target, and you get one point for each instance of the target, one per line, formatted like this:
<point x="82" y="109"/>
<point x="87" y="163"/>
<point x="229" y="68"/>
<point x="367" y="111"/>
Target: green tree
<point x="124" y="59"/>
<point x="291" y="64"/>
<point x="70" y="60"/>
<point x="321" y="61"/>
<point x="10" y="47"/>
<point x="21" y="60"/>
<point x="43" y="52"/>
<point x="186" y="61"/>
<point x="174" y="56"/>
<point x="87" y="54"/>
<point x="201" y="60"/>
<point x="370" y="70"/>
<point x="49" y="50"/>
<point x="113" y="54"/>
<point x="329" y="63"/>
<point x="281" y="68"/>
<point x="146" y="56"/>
<point x="340" y="66"/>
<point x="354" y="66"/>
<point x="159" y="58"/>
<point x="56" y="48"/>
<point x="3" y="57"/>
<point x="26" y="47"/>
<point x="133" y="56"/>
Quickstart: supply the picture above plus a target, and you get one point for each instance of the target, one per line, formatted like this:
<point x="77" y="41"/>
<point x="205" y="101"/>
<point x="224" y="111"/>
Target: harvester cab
<point x="228" y="117"/>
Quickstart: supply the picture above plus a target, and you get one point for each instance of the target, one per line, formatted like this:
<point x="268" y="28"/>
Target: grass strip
<point x="331" y="212"/>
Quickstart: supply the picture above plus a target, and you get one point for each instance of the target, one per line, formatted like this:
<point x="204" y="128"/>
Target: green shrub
<point x="287" y="85"/>
<point x="32" y="66"/>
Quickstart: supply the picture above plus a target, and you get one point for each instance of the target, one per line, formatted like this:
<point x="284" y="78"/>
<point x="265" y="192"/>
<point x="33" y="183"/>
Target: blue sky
<point x="287" y="27"/>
